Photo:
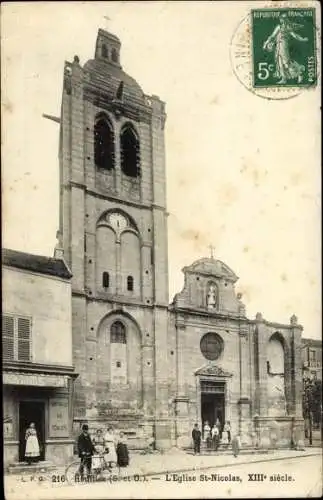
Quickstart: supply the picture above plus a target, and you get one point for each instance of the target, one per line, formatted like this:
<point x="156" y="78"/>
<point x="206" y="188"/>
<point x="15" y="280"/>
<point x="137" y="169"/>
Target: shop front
<point x="45" y="399"/>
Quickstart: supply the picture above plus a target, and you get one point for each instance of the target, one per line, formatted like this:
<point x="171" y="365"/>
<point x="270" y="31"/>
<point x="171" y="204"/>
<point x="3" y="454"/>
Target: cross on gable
<point x="212" y="248"/>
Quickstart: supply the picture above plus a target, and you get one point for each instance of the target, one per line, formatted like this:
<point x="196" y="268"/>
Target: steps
<point x="25" y="468"/>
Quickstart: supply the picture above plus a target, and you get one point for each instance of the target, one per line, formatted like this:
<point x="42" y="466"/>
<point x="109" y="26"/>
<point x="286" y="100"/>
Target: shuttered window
<point x="16" y="338"/>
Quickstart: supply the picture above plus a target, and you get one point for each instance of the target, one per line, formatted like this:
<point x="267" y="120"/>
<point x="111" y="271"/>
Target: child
<point x="98" y="442"/>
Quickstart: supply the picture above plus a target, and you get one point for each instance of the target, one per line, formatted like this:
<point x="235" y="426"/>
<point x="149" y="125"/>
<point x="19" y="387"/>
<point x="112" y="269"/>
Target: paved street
<point x="293" y="477"/>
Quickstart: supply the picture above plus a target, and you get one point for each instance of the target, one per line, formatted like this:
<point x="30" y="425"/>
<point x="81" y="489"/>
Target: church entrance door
<point x="212" y="402"/>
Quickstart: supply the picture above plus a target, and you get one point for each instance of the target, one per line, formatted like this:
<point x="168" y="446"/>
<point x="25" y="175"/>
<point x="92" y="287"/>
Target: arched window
<point x="103" y="144"/>
<point x="104" y="51"/>
<point x="118" y="333"/>
<point x="105" y="280"/>
<point x="130" y="152"/>
<point x="114" y="55"/>
<point x="130" y="283"/>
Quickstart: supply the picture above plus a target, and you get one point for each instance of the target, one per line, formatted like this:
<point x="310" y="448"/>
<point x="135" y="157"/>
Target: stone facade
<point x="141" y="360"/>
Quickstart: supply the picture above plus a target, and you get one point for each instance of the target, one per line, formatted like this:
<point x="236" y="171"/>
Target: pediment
<point x="213" y="370"/>
<point x="212" y="267"/>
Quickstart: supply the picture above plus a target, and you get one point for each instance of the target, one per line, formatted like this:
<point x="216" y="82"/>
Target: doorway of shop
<point x="31" y="411"/>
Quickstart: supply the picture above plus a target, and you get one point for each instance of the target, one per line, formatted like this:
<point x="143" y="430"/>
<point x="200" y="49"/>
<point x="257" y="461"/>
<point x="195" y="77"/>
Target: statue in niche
<point x="211" y="297"/>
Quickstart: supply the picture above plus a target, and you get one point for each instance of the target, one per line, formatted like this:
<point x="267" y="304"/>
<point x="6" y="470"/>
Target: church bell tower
<point x="113" y="225"/>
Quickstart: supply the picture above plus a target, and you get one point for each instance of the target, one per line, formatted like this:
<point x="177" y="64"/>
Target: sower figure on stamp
<point x="196" y="435"/>
<point x="286" y="67"/>
<point x="85" y="449"/>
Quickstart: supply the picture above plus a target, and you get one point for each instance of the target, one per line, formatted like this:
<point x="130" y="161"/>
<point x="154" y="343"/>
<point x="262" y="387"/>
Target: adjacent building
<point x="312" y="358"/>
<point x="148" y="367"/>
<point x="38" y="372"/>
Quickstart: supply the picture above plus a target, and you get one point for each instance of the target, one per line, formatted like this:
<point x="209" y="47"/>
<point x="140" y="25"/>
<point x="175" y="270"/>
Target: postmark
<point x="274" y="51"/>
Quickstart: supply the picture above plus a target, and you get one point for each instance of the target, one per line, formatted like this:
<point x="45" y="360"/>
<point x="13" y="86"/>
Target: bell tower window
<point x="103" y="144"/>
<point x="105" y="280"/>
<point x="130" y="283"/>
<point x="130" y="152"/>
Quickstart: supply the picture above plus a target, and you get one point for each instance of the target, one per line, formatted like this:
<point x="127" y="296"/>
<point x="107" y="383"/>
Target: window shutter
<point x="8" y="337"/>
<point x="23" y="339"/>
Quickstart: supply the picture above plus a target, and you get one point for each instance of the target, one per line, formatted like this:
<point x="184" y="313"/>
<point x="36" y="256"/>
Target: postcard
<point x="161" y="249"/>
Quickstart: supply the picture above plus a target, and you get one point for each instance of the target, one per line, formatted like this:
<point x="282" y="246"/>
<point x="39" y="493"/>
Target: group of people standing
<point x="215" y="435"/>
<point x="110" y="446"/>
<point x="212" y="436"/>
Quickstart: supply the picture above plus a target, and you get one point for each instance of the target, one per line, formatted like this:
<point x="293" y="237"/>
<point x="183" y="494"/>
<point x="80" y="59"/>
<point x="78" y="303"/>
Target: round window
<point x="211" y="346"/>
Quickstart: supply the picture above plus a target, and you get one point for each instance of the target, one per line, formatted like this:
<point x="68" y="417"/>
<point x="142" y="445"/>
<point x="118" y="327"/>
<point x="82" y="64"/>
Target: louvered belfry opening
<point x="130" y="152"/>
<point x="16" y="338"/>
<point x="103" y="144"/>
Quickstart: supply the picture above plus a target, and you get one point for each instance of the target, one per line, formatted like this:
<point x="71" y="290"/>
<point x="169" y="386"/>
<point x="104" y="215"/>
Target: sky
<point x="243" y="172"/>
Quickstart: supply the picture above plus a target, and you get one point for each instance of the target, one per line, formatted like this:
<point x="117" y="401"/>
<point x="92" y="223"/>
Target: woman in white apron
<point x="110" y="455"/>
<point x="32" y="451"/>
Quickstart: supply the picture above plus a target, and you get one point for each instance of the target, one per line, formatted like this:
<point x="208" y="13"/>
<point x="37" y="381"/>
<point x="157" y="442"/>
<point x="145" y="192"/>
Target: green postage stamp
<point x="283" y="47"/>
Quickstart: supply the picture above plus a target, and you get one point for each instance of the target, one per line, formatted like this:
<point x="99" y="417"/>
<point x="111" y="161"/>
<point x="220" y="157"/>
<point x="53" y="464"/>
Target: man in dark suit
<point x="85" y="449"/>
<point x="196" y="435"/>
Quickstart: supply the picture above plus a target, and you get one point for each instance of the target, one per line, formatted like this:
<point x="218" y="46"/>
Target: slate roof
<point x="37" y="263"/>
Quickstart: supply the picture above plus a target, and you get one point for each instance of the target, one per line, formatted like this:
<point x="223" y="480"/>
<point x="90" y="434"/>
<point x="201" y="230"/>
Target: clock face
<point x="118" y="222"/>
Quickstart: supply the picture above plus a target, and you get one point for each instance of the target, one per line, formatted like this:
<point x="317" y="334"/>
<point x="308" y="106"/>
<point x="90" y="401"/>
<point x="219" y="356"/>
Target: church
<point x="147" y="366"/>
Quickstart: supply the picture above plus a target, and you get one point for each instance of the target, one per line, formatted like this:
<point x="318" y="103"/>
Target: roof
<point x="37" y="263"/>
<point x="212" y="267"/>
<point x="312" y="342"/>
<point x="108" y="76"/>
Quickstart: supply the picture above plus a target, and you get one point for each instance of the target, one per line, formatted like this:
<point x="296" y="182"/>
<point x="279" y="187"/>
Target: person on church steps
<point x="196" y="435"/>
<point x="219" y="426"/>
<point x="215" y="437"/>
<point x="85" y="449"/>
<point x="225" y="438"/>
<point x="236" y="445"/>
<point x="208" y="439"/>
<point x="206" y="430"/>
<point x="122" y="451"/>
<point x="32" y="451"/>
<point x="227" y="428"/>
